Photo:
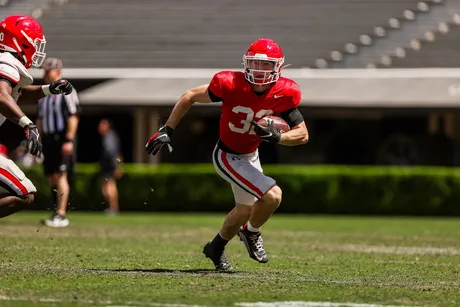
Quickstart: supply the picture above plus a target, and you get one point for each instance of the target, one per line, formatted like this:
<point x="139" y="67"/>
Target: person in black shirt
<point x="110" y="162"/>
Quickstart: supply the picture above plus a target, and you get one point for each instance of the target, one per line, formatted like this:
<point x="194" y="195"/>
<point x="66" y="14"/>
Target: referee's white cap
<point x="52" y="63"/>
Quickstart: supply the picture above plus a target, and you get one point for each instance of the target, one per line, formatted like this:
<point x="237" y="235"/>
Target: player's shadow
<point x="163" y="271"/>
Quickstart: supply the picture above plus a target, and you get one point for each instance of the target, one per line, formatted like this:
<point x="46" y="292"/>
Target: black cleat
<point x="254" y="244"/>
<point x="218" y="258"/>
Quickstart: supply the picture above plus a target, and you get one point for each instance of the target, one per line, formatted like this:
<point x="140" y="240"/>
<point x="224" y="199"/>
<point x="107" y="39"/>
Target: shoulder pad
<point x="10" y="73"/>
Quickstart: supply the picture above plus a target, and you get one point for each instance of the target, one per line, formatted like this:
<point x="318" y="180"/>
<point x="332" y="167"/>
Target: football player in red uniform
<point x="246" y="97"/>
<point x="22" y="45"/>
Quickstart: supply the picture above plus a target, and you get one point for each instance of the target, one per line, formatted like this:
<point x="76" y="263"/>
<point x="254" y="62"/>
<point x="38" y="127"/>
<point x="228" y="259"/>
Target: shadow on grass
<point x="164" y="271"/>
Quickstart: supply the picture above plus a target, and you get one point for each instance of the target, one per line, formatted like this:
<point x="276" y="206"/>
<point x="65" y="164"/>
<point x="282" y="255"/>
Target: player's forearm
<point x="72" y="126"/>
<point x="180" y="109"/>
<point x="294" y="137"/>
<point x="31" y="93"/>
<point x="198" y="94"/>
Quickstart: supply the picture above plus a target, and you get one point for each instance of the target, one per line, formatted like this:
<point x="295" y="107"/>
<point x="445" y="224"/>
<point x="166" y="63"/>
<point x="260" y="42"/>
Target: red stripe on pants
<point x="239" y="177"/>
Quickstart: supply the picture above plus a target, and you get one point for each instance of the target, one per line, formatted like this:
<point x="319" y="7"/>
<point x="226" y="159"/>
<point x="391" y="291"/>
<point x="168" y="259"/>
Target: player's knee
<point x="273" y="196"/>
<point x="242" y="209"/>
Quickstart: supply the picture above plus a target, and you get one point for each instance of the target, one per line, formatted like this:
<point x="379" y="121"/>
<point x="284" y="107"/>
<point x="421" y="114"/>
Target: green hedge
<point x="306" y="189"/>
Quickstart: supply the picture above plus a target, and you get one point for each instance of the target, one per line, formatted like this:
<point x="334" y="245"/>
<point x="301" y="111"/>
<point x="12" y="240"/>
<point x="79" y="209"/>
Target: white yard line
<point x="148" y="304"/>
<point x="107" y="303"/>
<point x="401" y="250"/>
<point x="381" y="249"/>
<point x="309" y="304"/>
<point x="94" y="302"/>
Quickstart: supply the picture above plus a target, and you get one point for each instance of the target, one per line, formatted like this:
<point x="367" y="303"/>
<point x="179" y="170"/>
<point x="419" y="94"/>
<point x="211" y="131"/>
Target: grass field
<point x="156" y="260"/>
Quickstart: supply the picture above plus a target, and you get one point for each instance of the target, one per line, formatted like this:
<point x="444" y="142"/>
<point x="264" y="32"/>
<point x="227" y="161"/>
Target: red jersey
<point x="240" y="105"/>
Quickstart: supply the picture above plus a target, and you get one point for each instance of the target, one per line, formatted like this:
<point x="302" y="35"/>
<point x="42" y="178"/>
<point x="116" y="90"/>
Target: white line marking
<point x="384" y="249"/>
<point x="147" y="304"/>
<point x="309" y="304"/>
<point x="95" y="302"/>
<point x="402" y="250"/>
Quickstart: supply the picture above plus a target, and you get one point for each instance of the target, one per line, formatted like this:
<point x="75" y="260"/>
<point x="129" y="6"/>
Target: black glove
<point x="268" y="134"/>
<point x="61" y="86"/>
<point x="34" y="143"/>
<point x="156" y="141"/>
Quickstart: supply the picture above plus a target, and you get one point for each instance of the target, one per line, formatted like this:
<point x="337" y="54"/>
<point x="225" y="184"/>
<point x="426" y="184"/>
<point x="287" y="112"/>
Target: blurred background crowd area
<point x="380" y="78"/>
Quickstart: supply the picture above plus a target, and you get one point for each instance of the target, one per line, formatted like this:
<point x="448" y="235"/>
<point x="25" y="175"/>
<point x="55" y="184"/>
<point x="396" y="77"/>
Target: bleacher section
<point x="28" y="7"/>
<point x="385" y="42"/>
<point x="443" y="51"/>
<point x="206" y="33"/>
<point x="4" y="3"/>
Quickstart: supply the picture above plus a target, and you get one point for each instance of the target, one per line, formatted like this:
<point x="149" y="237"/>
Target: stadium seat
<point x="206" y="33"/>
<point x="439" y="50"/>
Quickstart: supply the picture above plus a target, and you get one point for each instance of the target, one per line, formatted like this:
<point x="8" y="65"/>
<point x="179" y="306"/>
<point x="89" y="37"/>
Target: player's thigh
<point x="242" y="197"/>
<point x="13" y="181"/>
<point x="245" y="175"/>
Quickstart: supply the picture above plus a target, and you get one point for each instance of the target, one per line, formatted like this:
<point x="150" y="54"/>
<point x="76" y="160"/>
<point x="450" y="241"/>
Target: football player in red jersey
<point x="246" y="97"/>
<point x="22" y="45"/>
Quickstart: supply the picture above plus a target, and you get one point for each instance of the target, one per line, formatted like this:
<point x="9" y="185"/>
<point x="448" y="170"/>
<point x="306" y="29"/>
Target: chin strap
<point x="20" y="50"/>
<point x="285" y="66"/>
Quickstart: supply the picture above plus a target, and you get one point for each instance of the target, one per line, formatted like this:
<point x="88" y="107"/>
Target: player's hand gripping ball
<point x="270" y="128"/>
<point x="280" y="124"/>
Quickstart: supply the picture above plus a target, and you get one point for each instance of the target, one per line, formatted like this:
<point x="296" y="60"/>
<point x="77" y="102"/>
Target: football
<point x="280" y="124"/>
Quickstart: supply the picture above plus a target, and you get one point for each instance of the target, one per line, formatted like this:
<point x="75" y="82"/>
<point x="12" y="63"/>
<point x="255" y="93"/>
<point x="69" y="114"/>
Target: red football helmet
<point x="263" y="62"/>
<point x="23" y="35"/>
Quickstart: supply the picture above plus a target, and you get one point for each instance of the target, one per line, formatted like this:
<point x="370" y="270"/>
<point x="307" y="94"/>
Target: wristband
<point x="169" y="130"/>
<point x="46" y="90"/>
<point x="24" y="121"/>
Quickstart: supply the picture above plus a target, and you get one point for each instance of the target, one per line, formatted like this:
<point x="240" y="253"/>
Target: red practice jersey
<point x="241" y="105"/>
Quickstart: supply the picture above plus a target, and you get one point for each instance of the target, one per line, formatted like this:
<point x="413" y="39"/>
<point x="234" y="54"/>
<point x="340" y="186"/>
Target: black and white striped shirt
<point x="55" y="110"/>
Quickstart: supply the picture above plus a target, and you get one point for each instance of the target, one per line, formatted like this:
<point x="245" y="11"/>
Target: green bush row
<point x="306" y="189"/>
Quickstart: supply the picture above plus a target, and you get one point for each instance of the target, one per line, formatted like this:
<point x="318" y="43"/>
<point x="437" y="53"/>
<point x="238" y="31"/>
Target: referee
<point x="58" y="117"/>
